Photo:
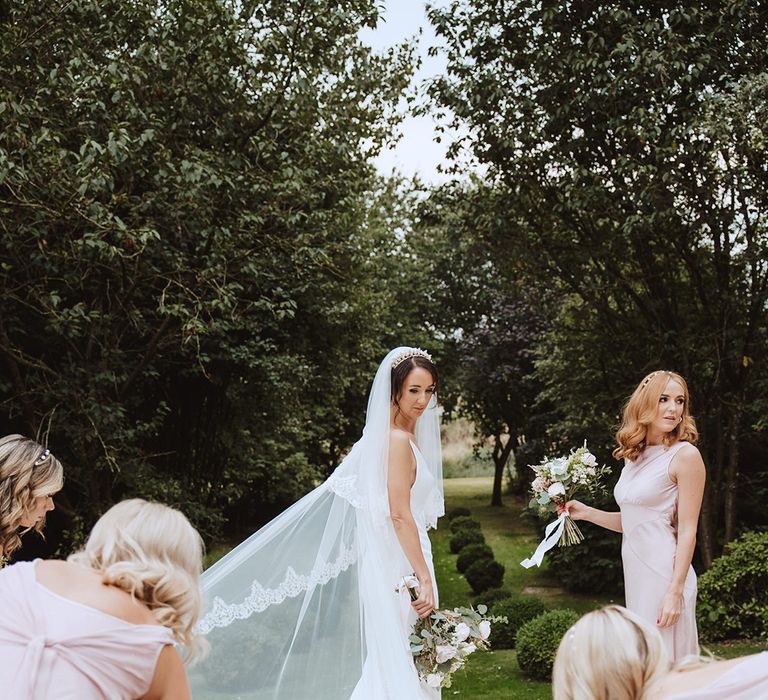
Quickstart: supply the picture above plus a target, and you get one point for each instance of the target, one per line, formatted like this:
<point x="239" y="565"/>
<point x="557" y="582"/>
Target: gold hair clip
<point x="652" y="375"/>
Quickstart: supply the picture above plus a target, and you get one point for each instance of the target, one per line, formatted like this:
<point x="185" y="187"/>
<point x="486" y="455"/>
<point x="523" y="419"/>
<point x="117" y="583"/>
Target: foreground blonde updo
<point x="27" y="471"/>
<point x="609" y="654"/>
<point x="640" y="412"/>
<point x="151" y="551"/>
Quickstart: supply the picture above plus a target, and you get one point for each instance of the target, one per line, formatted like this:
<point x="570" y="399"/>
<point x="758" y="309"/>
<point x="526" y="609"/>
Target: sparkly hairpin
<point x="652" y="375"/>
<point x="410" y="352"/>
<point x="43" y="456"/>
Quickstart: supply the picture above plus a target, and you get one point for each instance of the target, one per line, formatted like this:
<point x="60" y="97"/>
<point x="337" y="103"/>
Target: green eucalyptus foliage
<point x="194" y="244"/>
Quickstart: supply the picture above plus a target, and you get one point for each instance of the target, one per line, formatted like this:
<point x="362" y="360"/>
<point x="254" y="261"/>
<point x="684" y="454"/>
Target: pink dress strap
<point x="54" y="647"/>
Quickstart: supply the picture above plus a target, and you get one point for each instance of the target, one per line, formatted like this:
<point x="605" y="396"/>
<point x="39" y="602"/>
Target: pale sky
<point x="416" y="152"/>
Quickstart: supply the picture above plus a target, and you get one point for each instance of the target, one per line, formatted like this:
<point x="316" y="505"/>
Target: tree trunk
<point x="501" y="454"/>
<point x="732" y="475"/>
<point x="708" y="526"/>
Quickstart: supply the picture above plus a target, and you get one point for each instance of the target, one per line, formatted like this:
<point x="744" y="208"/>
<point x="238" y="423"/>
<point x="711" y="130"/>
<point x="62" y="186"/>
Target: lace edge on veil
<point x="259" y="599"/>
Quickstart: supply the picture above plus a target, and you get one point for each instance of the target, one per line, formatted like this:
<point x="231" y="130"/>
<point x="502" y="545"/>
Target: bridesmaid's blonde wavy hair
<point x="640" y="411"/>
<point x="151" y="551"/>
<point x="609" y="654"/>
<point x="24" y="475"/>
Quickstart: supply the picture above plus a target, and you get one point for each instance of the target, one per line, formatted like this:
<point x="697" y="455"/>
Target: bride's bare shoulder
<point x="399" y="437"/>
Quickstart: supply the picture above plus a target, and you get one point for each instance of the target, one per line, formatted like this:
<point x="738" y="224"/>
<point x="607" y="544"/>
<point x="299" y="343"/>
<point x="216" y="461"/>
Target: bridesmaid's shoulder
<point x="687" y="457"/>
<point x="688" y="450"/>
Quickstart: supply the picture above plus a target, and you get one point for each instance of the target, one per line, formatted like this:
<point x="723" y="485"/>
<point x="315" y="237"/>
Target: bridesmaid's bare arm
<point x="580" y="511"/>
<point x="400" y="476"/>
<point x="170" y="680"/>
<point x="688" y="472"/>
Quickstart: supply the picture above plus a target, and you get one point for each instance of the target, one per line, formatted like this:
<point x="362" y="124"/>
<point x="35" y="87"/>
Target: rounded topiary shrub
<point x="484" y="574"/>
<point x="538" y="639"/>
<point x="733" y="594"/>
<point x="464" y="522"/>
<point x="492" y="596"/>
<point x="472" y="553"/>
<point x="457" y="512"/>
<point x="518" y="611"/>
<point x="464" y="537"/>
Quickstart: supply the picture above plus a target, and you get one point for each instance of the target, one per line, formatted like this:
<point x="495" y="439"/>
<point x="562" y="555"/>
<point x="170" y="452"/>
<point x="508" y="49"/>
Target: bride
<point x="310" y="605"/>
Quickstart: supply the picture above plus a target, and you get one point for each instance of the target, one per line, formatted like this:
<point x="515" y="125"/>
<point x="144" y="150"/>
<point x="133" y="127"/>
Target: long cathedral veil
<point x="294" y="611"/>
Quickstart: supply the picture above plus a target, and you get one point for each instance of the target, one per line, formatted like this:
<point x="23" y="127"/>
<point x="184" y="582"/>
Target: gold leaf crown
<point x="410" y="352"/>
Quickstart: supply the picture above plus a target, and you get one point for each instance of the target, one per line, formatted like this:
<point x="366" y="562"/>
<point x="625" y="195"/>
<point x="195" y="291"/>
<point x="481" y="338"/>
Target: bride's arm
<point x="400" y="476"/>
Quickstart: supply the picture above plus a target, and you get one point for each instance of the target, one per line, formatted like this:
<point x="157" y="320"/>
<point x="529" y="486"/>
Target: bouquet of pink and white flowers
<point x="441" y="643"/>
<point x="557" y="481"/>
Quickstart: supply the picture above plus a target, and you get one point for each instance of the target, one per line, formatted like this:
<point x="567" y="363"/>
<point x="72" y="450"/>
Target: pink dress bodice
<point x="647" y="497"/>
<point x="53" y="647"/>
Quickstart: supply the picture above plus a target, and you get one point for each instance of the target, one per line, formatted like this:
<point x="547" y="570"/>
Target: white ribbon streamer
<point x="551" y="537"/>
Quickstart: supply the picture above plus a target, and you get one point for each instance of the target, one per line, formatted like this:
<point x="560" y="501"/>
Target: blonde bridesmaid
<point x="30" y="476"/>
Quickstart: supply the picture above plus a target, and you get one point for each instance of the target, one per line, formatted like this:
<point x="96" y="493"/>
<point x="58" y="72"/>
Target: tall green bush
<point x="733" y="594"/>
<point x="193" y="238"/>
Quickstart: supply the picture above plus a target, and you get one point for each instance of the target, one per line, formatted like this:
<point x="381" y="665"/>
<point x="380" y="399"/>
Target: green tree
<point x="491" y="324"/>
<point x="189" y="263"/>
<point x="629" y="143"/>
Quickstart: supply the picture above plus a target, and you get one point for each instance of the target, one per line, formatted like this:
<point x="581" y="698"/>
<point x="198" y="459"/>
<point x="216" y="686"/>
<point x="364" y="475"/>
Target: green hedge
<point x="733" y="594"/>
<point x="538" y="639"/>
<point x="492" y="596"/>
<point x="464" y="522"/>
<point x="464" y="537"/>
<point x="457" y="512"/>
<point x="484" y="575"/>
<point x="518" y="611"/>
<point x="472" y="553"/>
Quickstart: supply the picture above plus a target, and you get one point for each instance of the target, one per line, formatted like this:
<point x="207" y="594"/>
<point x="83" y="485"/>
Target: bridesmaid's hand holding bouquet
<point x="557" y="481"/>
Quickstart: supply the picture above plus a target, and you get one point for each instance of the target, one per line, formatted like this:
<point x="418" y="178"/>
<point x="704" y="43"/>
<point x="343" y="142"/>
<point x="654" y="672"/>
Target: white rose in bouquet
<point x="556" y="489"/>
<point x="462" y="631"/>
<point x="434" y="680"/>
